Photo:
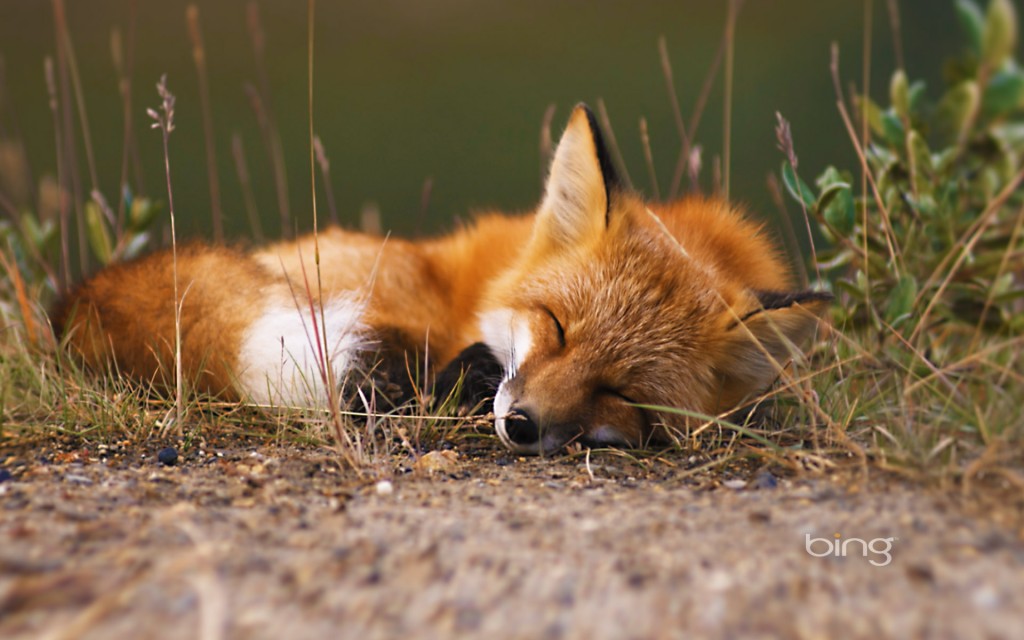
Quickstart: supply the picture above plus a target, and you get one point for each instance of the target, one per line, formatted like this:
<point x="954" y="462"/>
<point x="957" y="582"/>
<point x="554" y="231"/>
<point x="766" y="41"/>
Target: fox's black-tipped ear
<point x="581" y="183"/>
<point x="815" y="301"/>
<point x="612" y="181"/>
<point x="766" y="337"/>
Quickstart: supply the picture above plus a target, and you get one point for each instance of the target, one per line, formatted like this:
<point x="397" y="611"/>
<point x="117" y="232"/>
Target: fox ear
<point x="581" y="181"/>
<point x="766" y="338"/>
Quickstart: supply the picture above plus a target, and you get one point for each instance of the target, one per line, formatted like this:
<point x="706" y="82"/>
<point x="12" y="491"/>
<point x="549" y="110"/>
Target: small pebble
<point x="74" y="478"/>
<point x="764" y="480"/>
<point x="438" y="462"/>
<point x="168" y="456"/>
<point x="385" y="488"/>
<point x="736" y="484"/>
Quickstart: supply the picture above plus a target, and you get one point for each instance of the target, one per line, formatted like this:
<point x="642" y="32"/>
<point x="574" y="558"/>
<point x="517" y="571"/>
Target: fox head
<point x="607" y="309"/>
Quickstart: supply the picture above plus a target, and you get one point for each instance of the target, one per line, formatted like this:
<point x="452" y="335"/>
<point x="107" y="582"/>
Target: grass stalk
<point x="730" y="46"/>
<point x="789" y="233"/>
<point x="265" y="115"/>
<point x="62" y="205"/>
<point x="684" y="139"/>
<point x="1004" y="266"/>
<point x="124" y="64"/>
<point x="22" y="298"/>
<point x="199" y="57"/>
<point x="244" y="181"/>
<point x="76" y="83"/>
<point x="546" y="145"/>
<point x="890" y="234"/>
<point x="964" y="249"/>
<point x="784" y="137"/>
<point x="864" y="132"/>
<point x="164" y="120"/>
<point x="606" y="124"/>
<point x="342" y="442"/>
<point x="685" y="162"/>
<point x="72" y="182"/>
<point x="325" y="174"/>
<point x="645" y="140"/>
<point x="897" y="33"/>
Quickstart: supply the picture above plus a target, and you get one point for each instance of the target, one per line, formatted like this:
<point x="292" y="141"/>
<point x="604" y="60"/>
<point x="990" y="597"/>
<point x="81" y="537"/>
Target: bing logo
<point x="874" y="550"/>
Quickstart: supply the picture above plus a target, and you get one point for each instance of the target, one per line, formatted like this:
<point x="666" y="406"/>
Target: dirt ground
<point x="244" y="539"/>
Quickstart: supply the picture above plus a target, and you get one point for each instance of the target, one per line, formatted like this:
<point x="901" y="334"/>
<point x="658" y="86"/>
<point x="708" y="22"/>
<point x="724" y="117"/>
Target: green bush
<point x="925" y="248"/>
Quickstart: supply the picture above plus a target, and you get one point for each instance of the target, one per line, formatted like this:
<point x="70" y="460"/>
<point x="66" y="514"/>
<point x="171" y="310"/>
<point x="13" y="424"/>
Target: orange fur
<point x="591" y="304"/>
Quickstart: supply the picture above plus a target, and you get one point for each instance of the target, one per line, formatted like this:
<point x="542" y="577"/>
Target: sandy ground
<point x="249" y="540"/>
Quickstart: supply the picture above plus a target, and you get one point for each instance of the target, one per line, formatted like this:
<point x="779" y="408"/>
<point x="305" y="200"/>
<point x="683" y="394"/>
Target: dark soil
<point x="242" y="539"/>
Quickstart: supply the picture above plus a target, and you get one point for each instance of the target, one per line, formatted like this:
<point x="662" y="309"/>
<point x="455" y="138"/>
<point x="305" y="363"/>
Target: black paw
<point x="470" y="380"/>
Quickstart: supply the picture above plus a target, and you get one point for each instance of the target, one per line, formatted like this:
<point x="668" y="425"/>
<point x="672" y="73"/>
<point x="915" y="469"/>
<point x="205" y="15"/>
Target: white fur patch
<point x="511" y="340"/>
<point x="508" y="337"/>
<point x="502" y="405"/>
<point x="280" y="362"/>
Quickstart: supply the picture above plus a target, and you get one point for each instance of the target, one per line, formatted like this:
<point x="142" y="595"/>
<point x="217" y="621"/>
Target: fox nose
<point x="521" y="428"/>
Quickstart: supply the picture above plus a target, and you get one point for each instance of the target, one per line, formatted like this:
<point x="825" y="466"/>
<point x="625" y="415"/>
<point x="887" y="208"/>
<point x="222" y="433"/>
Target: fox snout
<point x="521" y="431"/>
<point x="540" y="428"/>
<point x="520" y="428"/>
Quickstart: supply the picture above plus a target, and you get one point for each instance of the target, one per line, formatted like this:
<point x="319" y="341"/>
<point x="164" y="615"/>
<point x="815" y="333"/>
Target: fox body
<point x="571" y="316"/>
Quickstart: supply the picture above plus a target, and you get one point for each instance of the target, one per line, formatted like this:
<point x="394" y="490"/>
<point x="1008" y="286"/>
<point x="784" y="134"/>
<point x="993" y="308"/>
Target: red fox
<point x="569" y="317"/>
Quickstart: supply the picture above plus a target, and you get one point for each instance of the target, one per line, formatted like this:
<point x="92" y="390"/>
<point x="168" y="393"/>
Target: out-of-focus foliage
<point x="935" y="236"/>
<point x="926" y="256"/>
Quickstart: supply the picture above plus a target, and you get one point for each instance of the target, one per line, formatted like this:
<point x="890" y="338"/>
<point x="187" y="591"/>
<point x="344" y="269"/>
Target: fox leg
<point x="470" y="380"/>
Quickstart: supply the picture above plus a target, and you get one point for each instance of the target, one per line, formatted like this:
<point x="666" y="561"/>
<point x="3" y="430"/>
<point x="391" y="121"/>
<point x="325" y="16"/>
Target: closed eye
<point x="612" y="391"/>
<point x="558" y="327"/>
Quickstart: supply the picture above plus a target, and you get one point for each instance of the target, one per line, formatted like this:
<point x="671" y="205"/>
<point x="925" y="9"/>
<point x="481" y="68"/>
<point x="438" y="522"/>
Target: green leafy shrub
<point x="926" y="248"/>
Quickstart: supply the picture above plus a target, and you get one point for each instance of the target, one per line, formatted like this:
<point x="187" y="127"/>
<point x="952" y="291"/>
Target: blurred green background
<point x="453" y="90"/>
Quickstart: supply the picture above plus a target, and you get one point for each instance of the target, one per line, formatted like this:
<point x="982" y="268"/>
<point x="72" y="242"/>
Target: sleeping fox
<point x="569" y="317"/>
